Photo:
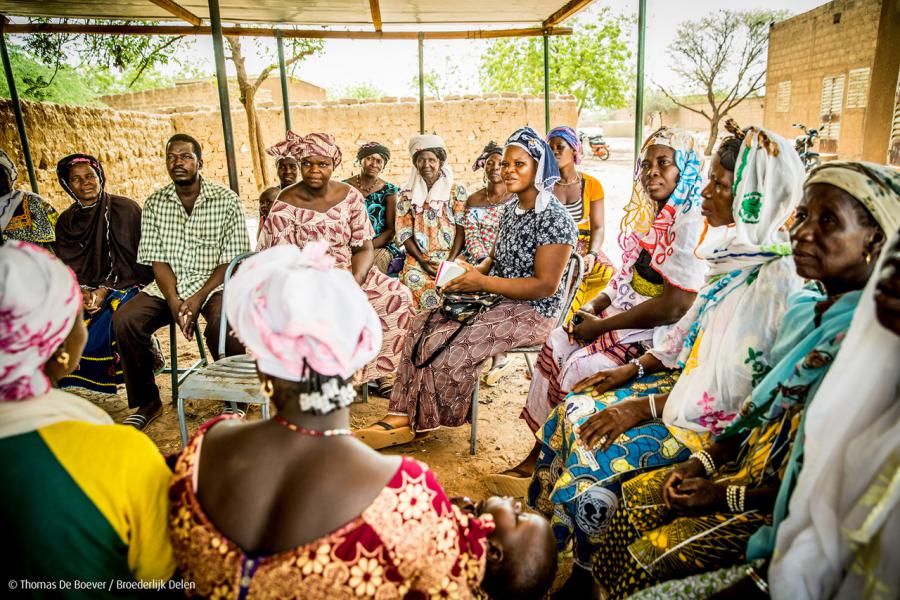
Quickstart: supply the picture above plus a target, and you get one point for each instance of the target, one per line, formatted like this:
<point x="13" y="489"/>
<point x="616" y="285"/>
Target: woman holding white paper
<point x="535" y="241"/>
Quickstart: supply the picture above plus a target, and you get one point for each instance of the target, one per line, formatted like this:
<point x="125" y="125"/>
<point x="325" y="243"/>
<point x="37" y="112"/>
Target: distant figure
<point x="23" y="215"/>
<point x="288" y="171"/>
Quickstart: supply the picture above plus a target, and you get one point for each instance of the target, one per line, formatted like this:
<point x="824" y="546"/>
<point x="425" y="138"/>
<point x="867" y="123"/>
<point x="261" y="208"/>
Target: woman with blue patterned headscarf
<point x="442" y="358"/>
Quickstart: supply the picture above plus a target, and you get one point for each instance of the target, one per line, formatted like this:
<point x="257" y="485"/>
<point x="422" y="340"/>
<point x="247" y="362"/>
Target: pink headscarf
<point x="39" y="302"/>
<point x="314" y="144"/>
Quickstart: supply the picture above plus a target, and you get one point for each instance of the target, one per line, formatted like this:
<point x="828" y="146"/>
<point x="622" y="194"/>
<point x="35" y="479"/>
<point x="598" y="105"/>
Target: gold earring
<point x="868" y="256"/>
<point x="63" y="359"/>
<point x="267" y="389"/>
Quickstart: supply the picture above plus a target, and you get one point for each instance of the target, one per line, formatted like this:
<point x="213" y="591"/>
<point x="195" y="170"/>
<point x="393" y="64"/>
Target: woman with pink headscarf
<point x="319" y="209"/>
<point x="84" y="499"/>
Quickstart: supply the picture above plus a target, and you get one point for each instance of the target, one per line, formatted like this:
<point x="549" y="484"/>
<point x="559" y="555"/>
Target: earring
<point x="63" y="359"/>
<point x="267" y="389"/>
<point x="868" y="256"/>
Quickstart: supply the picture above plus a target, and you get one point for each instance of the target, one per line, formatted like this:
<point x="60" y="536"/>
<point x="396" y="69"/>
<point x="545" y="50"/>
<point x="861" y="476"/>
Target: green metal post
<point x="421" y="83"/>
<point x="639" y="93"/>
<point x="285" y="99"/>
<point x="215" y="21"/>
<point x="546" y="83"/>
<point x="17" y="109"/>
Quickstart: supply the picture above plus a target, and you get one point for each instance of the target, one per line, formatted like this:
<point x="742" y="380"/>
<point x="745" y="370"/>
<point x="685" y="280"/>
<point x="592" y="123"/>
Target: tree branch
<point x="677" y="102"/>
<point x="264" y="74"/>
<point x="147" y="61"/>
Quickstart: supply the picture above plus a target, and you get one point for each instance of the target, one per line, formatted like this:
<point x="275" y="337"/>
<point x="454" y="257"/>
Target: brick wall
<point x="130" y="144"/>
<point x="810" y="47"/>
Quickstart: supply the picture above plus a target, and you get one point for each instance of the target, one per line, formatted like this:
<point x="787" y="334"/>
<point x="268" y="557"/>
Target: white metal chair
<point x="572" y="278"/>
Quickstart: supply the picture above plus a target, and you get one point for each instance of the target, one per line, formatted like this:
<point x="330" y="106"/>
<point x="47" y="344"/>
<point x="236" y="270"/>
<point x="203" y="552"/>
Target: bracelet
<point x="595" y="253"/>
<point x="652" y="399"/>
<point x="706" y="460"/>
<point x="734" y="497"/>
<point x="639" y="366"/>
<point x="758" y="580"/>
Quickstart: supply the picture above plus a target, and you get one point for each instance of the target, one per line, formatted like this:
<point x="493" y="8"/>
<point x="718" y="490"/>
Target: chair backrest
<point x="223" y="319"/>
<point x="572" y="278"/>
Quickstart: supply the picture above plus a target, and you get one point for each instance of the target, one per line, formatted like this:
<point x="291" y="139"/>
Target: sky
<point x="390" y="66"/>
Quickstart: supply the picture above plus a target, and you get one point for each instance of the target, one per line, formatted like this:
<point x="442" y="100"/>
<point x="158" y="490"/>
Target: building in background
<point x="838" y="65"/>
<point x="199" y="94"/>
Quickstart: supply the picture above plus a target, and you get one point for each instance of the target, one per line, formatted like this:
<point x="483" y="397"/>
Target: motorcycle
<point x="803" y="144"/>
<point x="599" y="147"/>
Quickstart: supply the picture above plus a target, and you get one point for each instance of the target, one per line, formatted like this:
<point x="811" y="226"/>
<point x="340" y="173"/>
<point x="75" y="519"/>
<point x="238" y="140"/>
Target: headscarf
<point x="11" y="201"/>
<point x="39" y="302"/>
<point x="672" y="235"/>
<point x="292" y="309"/>
<point x="416" y="188"/>
<point x="64" y="168"/>
<point x="570" y="136"/>
<point x="313" y="144"/>
<point x="370" y="148"/>
<point x="723" y="343"/>
<point x="547" y="173"/>
<point x="876" y="186"/>
<point x="840" y="505"/>
<point x="491" y="148"/>
<point x="100" y="242"/>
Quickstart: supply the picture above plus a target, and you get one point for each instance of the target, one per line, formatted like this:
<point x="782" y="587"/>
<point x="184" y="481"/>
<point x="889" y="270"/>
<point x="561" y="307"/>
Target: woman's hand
<point x="604" y="427"/>
<point x="606" y="380"/>
<point x="698" y="495"/>
<point x="584" y="327"/>
<point x="94" y="299"/>
<point x="689" y="469"/>
<point x="590" y="261"/>
<point x="470" y="281"/>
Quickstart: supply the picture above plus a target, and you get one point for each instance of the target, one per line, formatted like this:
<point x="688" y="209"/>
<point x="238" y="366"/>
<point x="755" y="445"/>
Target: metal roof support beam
<point x="567" y="10"/>
<point x="546" y="84"/>
<point x="421" y="83"/>
<point x="376" y="14"/>
<point x="178" y="11"/>
<point x="222" y="81"/>
<point x="477" y="34"/>
<point x="639" y="92"/>
<point x="17" y="108"/>
<point x="285" y="99"/>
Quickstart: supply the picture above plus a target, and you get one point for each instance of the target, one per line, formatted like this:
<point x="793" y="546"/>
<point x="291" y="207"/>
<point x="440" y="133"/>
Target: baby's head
<point x="521" y="552"/>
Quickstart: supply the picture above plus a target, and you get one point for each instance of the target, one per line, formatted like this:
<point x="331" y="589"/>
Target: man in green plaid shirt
<point x="190" y="230"/>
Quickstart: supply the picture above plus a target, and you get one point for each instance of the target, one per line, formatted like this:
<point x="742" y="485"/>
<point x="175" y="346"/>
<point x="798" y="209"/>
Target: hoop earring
<point x="63" y="359"/>
<point x="868" y="256"/>
<point x="267" y="389"/>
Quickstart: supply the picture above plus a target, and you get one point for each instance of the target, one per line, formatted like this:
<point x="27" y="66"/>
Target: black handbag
<point x="462" y="307"/>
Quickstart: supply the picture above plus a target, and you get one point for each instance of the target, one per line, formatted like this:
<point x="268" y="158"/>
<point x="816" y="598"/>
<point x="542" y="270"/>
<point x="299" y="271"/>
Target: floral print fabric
<point x="410" y="542"/>
<point x="342" y="227"/>
<point x="433" y="229"/>
<point x="482" y="226"/>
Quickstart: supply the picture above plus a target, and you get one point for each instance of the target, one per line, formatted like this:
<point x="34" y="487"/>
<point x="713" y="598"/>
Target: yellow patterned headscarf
<point x="876" y="186"/>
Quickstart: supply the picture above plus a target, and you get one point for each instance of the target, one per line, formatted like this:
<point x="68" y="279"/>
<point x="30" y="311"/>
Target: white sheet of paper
<point x="447" y="272"/>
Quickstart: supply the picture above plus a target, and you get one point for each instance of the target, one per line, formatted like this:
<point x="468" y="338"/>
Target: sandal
<point x="386" y="387"/>
<point x="232" y="409"/>
<point x="140" y="421"/>
<point x="509" y="483"/>
<point x="497" y="373"/>
<point x="385" y="437"/>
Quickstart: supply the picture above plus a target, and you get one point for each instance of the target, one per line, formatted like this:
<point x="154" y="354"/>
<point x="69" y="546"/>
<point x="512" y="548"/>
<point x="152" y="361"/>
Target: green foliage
<point x="434" y="84"/>
<point x="592" y="64"/>
<point x="36" y="81"/>
<point x="361" y="91"/>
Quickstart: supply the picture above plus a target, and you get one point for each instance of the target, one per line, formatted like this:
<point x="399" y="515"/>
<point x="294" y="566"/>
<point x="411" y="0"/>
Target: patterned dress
<point x="482" y="225"/>
<point x="376" y="206"/>
<point x="596" y="280"/>
<point x="34" y="220"/>
<point x="434" y="229"/>
<point x="410" y="542"/>
<point x="440" y="394"/>
<point x="345" y="226"/>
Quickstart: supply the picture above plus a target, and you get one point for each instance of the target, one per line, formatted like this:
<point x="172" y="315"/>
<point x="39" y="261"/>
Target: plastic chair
<point x="571" y="282"/>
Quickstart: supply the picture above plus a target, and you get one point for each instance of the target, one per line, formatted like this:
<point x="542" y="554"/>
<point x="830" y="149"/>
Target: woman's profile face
<point x="316" y="170"/>
<point x="658" y="173"/>
<point x="718" y="195"/>
<point x="829" y="240"/>
<point x="563" y="152"/>
<point x="518" y="169"/>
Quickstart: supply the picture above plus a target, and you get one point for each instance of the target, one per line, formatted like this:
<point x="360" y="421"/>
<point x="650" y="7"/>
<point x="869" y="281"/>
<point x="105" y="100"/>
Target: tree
<point x="592" y="64"/>
<point x="36" y="81"/>
<point x="297" y="49"/>
<point x="360" y="91"/>
<point x="723" y="57"/>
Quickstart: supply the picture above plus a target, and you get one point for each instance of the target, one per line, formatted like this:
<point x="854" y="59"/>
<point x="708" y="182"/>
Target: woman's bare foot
<point x="525" y="468"/>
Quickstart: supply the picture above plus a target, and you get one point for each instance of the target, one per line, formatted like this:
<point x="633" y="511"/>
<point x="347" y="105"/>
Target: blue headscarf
<point x="568" y="135"/>
<point x="547" y="170"/>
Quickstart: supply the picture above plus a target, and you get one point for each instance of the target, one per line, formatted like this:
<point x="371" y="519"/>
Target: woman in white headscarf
<point x="23" y="215"/>
<point x="430" y="220"/>
<point x="84" y="500"/>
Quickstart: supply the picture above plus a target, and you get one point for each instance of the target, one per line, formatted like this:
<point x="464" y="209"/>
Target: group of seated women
<point x="718" y="418"/>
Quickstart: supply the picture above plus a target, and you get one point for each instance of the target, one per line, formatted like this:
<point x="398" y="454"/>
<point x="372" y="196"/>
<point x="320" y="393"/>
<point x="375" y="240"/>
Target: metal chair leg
<point x="365" y="393"/>
<point x="473" y="418"/>
<point x="182" y="425"/>
<point x="173" y="361"/>
<point x="199" y="339"/>
<point x="528" y="363"/>
<point x="265" y="411"/>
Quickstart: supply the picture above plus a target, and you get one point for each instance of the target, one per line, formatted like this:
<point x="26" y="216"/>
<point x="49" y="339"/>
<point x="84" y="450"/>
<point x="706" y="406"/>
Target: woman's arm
<point x="549" y="263"/>
<point x="361" y="261"/>
<point x="597" y="227"/>
<point x="662" y="310"/>
<point x="390" y="210"/>
<point x="458" y="240"/>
